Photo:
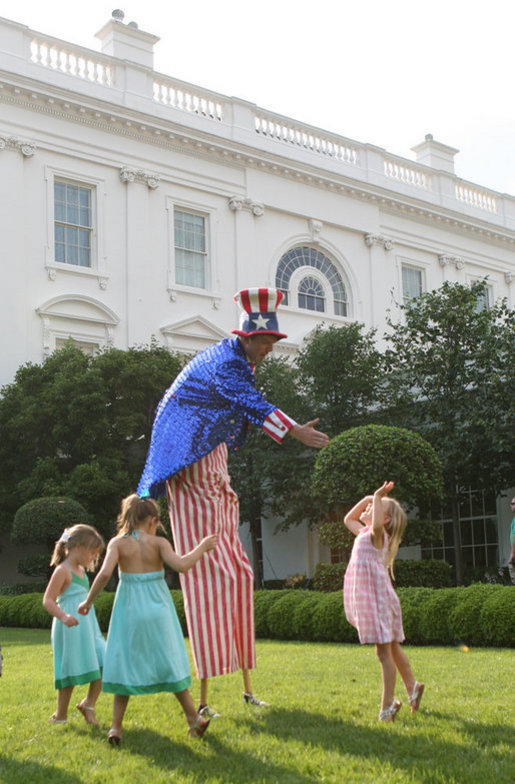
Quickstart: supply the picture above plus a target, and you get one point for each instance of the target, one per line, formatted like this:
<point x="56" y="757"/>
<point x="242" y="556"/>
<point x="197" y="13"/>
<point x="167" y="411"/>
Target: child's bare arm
<point x="182" y="563"/>
<point x="352" y="520"/>
<point x="58" y="583"/>
<point x="378" y="511"/>
<point x="102" y="578"/>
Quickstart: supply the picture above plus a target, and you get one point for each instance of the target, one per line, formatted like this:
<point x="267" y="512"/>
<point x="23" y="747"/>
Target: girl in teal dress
<point x="77" y="643"/>
<point x="145" y="650"/>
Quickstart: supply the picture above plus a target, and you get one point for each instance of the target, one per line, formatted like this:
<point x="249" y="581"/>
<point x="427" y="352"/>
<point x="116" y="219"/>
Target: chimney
<point x="126" y="41"/>
<point x="435" y="154"/>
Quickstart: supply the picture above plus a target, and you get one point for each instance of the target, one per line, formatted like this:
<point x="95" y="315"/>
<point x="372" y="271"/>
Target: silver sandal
<point x="416" y="696"/>
<point x="390" y="713"/>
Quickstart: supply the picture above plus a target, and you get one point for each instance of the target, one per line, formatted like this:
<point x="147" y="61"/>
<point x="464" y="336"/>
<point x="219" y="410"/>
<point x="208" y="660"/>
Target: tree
<point x="358" y="461"/>
<point x="79" y="426"/>
<point x="453" y="372"/>
<point x="341" y="373"/>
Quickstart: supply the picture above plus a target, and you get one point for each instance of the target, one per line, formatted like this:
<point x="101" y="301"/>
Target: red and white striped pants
<point x="219" y="590"/>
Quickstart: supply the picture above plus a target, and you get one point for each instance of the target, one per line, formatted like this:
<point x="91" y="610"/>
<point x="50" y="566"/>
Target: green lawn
<point x="321" y="724"/>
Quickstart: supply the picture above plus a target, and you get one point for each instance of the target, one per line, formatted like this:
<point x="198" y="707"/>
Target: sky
<point x="380" y="73"/>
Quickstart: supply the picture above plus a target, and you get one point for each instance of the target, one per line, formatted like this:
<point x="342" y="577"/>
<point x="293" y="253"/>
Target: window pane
<point x="190" y="249"/>
<point x="411" y="282"/>
<point x="311" y="298"/>
<point x="72" y="208"/>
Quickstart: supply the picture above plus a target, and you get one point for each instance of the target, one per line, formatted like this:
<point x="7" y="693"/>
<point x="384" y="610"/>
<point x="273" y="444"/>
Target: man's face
<point x="258" y="346"/>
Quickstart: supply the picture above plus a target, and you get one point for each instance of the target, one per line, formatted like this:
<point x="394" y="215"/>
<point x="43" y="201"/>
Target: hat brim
<point x="243" y="334"/>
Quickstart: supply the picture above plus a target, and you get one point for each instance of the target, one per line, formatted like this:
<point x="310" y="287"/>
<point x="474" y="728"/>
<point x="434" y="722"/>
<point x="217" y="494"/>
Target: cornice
<point x="170" y="136"/>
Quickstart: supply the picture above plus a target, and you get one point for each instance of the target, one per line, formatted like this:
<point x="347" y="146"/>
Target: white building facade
<point x="133" y="206"/>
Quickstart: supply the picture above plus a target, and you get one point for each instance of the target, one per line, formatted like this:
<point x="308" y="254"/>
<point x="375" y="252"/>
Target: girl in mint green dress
<point x="77" y="642"/>
<point x="145" y="650"/>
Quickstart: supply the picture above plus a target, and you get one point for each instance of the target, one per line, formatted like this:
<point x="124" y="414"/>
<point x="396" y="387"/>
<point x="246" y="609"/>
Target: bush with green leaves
<point x="42" y="521"/>
<point x="329" y="621"/>
<point x="281" y="615"/>
<point x="424" y="573"/>
<point x="465" y="616"/>
<point x="412" y="604"/>
<point x="497" y="618"/>
<point x="435" y="624"/>
<point x="303" y="613"/>
<point x="263" y="601"/>
<point x="329" y="577"/>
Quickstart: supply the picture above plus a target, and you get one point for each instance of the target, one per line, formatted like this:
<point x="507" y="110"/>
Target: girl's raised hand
<point x="385" y="488"/>
<point x="210" y="542"/>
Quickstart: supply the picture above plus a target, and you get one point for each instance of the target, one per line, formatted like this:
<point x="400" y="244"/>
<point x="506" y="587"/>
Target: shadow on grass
<point x="223" y="761"/>
<point x="403" y="745"/>
<point x="24" y="770"/>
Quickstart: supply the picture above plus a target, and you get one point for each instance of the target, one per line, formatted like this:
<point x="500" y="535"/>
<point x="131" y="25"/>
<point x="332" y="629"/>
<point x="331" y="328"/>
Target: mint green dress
<point x="78" y="650"/>
<point x="145" y="650"/>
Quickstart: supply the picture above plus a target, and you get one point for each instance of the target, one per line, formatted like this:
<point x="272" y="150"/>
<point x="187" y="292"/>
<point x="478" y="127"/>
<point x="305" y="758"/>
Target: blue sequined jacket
<point x="210" y="402"/>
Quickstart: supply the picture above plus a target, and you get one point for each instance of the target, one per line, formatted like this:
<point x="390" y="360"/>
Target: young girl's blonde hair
<point x="76" y="536"/>
<point x="395" y="529"/>
<point x="134" y="511"/>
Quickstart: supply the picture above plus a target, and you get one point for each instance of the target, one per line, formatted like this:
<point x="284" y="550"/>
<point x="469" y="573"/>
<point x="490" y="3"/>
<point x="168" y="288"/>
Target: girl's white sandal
<point x="390" y="713"/>
<point x="416" y="696"/>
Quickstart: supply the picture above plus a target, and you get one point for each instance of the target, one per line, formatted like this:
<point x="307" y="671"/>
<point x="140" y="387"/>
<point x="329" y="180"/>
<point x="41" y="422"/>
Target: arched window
<point x="309" y="280"/>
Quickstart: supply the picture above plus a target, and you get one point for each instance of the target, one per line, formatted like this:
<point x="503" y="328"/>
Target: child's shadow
<point x="395" y="743"/>
<point x="214" y="750"/>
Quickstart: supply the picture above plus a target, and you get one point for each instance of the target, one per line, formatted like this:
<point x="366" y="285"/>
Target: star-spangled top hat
<point x="259" y="315"/>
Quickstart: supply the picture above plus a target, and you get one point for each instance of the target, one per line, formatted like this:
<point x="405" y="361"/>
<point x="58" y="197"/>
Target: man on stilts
<point x="204" y="413"/>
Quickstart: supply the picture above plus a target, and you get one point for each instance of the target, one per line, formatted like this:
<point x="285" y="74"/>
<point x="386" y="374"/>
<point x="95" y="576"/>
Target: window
<point x="484" y="299"/>
<point x="411" y="283"/>
<point x="90" y="349"/>
<point x="318" y="278"/>
<point x="311" y="295"/>
<point x="73" y="225"/>
<point x="478" y="528"/>
<point x="190" y="249"/>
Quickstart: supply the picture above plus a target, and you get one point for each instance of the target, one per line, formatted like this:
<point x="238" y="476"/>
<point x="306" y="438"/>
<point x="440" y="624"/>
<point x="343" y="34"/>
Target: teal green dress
<point x="78" y="650"/>
<point x="145" y="650"/>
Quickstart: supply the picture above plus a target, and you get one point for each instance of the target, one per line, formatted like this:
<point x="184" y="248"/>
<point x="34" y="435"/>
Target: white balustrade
<point x="476" y="198"/>
<point x="407" y="174"/>
<point x="179" y="97"/>
<point x="306" y="138"/>
<point x="75" y="62"/>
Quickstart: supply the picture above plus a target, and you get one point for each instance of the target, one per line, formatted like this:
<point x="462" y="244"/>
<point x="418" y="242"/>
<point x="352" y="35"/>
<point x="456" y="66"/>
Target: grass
<point x="321" y="724"/>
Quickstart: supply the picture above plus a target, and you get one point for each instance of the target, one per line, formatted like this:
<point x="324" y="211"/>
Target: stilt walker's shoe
<point x="251" y="699"/>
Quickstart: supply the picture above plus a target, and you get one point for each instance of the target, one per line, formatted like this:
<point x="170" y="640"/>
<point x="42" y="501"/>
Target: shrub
<point x="103" y="607"/>
<point x="329" y="577"/>
<point x="263" y="600"/>
<point x="412" y="604"/>
<point x="4" y="605"/>
<point x="281" y="615"/>
<point x="42" y="521"/>
<point x="465" y="617"/>
<point x="19" y="588"/>
<point x="424" y="573"/>
<point x="329" y="620"/>
<point x="296" y="581"/>
<point x="303" y="614"/>
<point x="435" y="619"/>
<point x="178" y="601"/>
<point x="497" y="618"/>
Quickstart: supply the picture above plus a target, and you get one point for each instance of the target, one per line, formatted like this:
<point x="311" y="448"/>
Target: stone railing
<point x="187" y="98"/>
<point x="483" y="200"/>
<point x="311" y="139"/>
<point x="123" y="84"/>
<point x="407" y="173"/>
<point x="69" y="59"/>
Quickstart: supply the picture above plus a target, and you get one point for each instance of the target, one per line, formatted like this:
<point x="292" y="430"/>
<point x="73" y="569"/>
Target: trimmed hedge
<point x="478" y="615"/>
<point x="424" y="574"/>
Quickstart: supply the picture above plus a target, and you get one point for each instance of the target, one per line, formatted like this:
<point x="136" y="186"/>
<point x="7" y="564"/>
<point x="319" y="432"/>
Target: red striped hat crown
<point x="259" y="317"/>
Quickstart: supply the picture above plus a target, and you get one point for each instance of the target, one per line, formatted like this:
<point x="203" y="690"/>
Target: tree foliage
<point x="453" y="373"/>
<point x="79" y="426"/>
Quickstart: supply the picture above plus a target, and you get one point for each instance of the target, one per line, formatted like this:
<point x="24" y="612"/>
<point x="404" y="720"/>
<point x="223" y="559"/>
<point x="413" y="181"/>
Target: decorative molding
<point x="508" y="277"/>
<point x="315" y="228"/>
<point x="25" y="147"/>
<point x="445" y="258"/>
<point x="52" y="270"/>
<point x="379" y="239"/>
<point x="127" y="174"/>
<point x="239" y="203"/>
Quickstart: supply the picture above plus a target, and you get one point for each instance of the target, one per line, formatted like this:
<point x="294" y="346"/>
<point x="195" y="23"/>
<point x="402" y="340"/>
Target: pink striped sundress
<point x="371" y="604"/>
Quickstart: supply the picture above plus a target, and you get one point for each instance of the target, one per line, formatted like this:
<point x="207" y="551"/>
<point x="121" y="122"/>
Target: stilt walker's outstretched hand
<point x="307" y="434"/>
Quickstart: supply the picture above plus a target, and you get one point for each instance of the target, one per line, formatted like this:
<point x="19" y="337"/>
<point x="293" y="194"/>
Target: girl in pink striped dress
<point x="371" y="604"/>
